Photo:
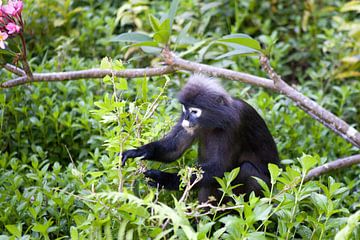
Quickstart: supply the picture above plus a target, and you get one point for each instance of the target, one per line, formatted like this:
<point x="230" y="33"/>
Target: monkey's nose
<point x="186" y="116"/>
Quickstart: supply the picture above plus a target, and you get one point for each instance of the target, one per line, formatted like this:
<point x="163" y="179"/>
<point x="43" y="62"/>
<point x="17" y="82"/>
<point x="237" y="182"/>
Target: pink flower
<point x="14" y="7"/>
<point x="12" y="28"/>
<point x="3" y="37"/>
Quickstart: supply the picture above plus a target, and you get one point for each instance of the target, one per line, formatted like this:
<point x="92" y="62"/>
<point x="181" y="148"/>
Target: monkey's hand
<point x="133" y="153"/>
<point x="162" y="179"/>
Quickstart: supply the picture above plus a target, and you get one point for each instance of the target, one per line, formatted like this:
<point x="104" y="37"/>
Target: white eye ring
<point x="195" y="111"/>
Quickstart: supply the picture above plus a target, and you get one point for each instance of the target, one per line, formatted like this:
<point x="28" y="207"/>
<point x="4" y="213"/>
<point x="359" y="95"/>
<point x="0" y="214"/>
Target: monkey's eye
<point x="195" y="111"/>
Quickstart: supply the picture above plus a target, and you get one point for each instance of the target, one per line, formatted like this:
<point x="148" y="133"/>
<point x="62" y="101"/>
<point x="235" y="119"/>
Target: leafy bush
<point x="60" y="174"/>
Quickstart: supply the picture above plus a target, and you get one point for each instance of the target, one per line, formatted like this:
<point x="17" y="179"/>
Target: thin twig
<point x="14" y="69"/>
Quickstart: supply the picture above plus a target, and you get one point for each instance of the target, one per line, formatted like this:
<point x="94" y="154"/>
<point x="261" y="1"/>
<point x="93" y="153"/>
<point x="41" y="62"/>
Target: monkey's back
<point x="252" y="133"/>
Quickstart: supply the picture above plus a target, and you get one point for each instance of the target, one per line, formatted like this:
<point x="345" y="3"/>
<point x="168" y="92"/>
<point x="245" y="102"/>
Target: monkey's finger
<point x="125" y="156"/>
<point x="123" y="160"/>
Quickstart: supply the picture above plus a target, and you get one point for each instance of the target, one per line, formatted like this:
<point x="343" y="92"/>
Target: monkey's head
<point x="206" y="105"/>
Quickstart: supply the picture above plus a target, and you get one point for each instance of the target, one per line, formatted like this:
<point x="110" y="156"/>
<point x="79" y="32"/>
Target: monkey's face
<point x="191" y="118"/>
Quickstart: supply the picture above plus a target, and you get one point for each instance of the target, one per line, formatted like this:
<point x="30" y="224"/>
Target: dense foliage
<point x="60" y="174"/>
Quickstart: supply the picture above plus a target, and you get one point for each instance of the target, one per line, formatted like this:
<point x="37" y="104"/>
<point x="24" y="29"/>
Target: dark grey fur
<point x="230" y="133"/>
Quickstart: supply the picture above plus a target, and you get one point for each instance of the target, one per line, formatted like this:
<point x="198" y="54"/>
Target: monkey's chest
<point x="214" y="147"/>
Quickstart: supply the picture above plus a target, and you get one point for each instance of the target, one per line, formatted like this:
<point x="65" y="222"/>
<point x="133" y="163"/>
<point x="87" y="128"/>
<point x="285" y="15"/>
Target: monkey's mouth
<point x="188" y="126"/>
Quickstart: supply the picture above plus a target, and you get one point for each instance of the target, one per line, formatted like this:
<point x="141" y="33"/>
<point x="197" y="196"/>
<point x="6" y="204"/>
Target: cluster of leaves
<point x="60" y="174"/>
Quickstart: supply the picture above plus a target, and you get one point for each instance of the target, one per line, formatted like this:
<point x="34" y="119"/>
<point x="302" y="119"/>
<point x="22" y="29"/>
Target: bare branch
<point x="320" y="114"/>
<point x="331" y="166"/>
<point x="182" y="64"/>
<point x="87" y="74"/>
<point x="276" y="84"/>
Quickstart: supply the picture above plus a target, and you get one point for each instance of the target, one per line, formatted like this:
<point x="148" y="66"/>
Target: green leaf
<point x="74" y="233"/>
<point x="130" y="234"/>
<point x="163" y="35"/>
<point x="145" y="44"/>
<point x="263" y="185"/>
<point x="261" y="212"/>
<point x="237" y="35"/>
<point x="151" y="50"/>
<point x="320" y="201"/>
<point x="165" y="25"/>
<point x="173" y="8"/>
<point x="38" y="227"/>
<point x="131" y="37"/>
<point x="14" y="230"/>
<point x="118" y="65"/>
<point x="154" y="22"/>
<point x="7" y="52"/>
<point x="307" y="162"/>
<point x="244" y="51"/>
<point x="219" y="233"/>
<point x="352" y="223"/>
<point x="274" y="172"/>
<point x="256" y="236"/>
<point x="221" y="183"/>
<point x="351" y="6"/>
<point x="105" y="63"/>
<point x="107" y="79"/>
<point x="233" y="174"/>
<point x="122" y="230"/>
<point x="122" y="84"/>
<point x="242" y="39"/>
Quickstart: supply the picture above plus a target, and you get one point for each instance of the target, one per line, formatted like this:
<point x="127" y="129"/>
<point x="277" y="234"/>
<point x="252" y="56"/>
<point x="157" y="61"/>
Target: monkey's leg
<point x="249" y="184"/>
<point x="166" y="180"/>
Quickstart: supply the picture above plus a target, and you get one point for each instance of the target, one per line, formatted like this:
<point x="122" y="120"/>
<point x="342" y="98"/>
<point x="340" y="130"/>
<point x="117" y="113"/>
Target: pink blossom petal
<point x="2" y="44"/>
<point x="12" y="28"/>
<point x="8" y="9"/>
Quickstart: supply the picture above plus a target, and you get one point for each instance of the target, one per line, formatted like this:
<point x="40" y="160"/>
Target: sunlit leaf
<point x="74" y="234"/>
<point x="14" y="230"/>
<point x="154" y="22"/>
<point x="274" y="172"/>
<point x="351" y="6"/>
<point x="105" y="63"/>
<point x="352" y="223"/>
<point x="307" y="162"/>
<point x="242" y="39"/>
<point x="122" y="84"/>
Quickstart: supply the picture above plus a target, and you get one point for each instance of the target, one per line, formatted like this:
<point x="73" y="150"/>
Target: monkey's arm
<point x="168" y="149"/>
